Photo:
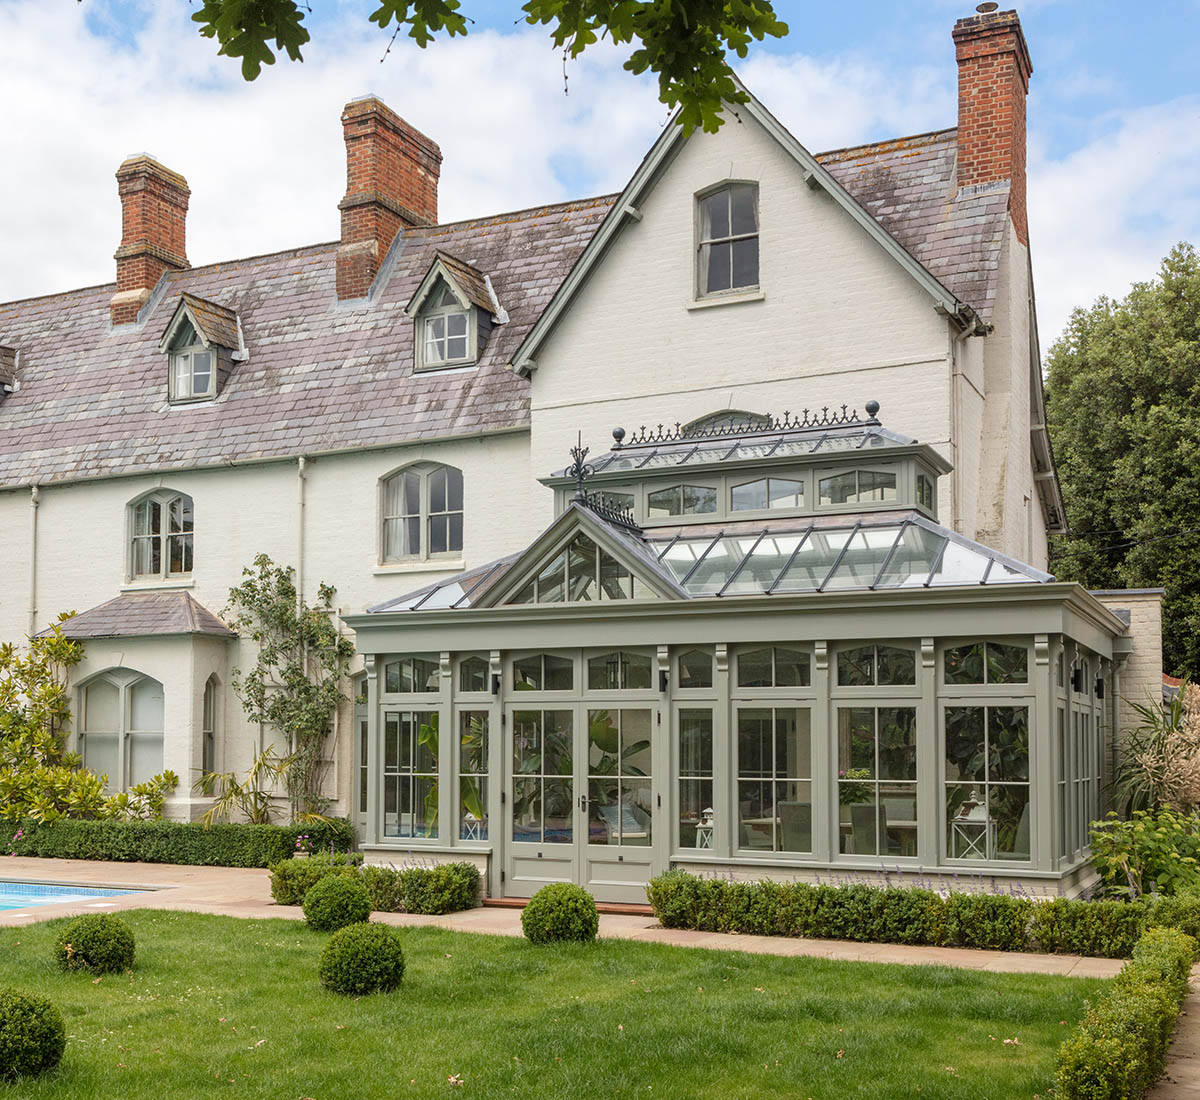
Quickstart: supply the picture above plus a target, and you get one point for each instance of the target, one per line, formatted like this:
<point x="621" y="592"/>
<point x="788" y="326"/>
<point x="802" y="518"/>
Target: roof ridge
<point x="886" y="141"/>
<point x="521" y="210"/>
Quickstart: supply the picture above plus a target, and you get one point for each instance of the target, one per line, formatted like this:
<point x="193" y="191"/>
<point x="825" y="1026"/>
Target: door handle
<point x="583" y="802"/>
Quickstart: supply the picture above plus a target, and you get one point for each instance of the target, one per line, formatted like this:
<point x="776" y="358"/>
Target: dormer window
<point x="727" y="240"/>
<point x="193" y="366"/>
<point x="448" y="332"/>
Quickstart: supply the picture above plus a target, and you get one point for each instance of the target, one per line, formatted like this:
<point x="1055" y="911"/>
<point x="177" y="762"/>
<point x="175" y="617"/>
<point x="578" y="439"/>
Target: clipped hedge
<point x="100" y="942"/>
<point x="997" y="922"/>
<point x="1119" y="1049"/>
<point x="361" y="959"/>
<point x="444" y="888"/>
<point x="32" y="1035"/>
<point x="560" y="913"/>
<point x="223" y="845"/>
<point x="335" y="902"/>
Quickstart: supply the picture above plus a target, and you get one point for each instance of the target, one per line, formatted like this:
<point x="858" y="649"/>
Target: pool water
<point x="25" y="895"/>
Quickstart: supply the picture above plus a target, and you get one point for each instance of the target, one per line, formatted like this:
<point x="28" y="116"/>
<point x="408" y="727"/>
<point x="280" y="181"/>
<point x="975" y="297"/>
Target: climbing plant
<point x="295" y="685"/>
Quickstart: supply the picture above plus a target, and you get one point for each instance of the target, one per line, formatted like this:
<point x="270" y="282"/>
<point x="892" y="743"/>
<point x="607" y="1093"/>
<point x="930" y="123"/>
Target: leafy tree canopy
<point x="1123" y="397"/>
<point x="683" y="42"/>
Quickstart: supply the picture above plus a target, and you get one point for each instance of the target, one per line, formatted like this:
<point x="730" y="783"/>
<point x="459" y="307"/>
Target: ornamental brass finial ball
<point x="872" y="408"/>
<point x="619" y="435"/>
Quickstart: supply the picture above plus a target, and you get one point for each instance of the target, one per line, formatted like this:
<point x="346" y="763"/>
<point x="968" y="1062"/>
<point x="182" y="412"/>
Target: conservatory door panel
<point x="541" y="811"/>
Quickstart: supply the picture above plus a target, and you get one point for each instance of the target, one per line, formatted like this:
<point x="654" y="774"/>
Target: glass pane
<point x="699" y="499"/>
<point x="472" y="808"/>
<point x="744" y="209"/>
<point x="897" y="742"/>
<point x="424" y="821"/>
<point x="695" y="669"/>
<point x="720" y="275"/>
<point x="874" y="485"/>
<point x="959" y="566"/>
<point x="604" y="672"/>
<point x="1007" y="664"/>
<point x="636" y="673"/>
<point x="755" y="732"/>
<point x="616" y="582"/>
<point x="964" y="664"/>
<point x="559" y="811"/>
<point x="965" y="743"/>
<point x="411" y="487"/>
<point x="752" y="495"/>
<point x="839" y="489"/>
<point x="791" y="668"/>
<point x="715" y="216"/>
<point x="695" y="813"/>
<point x="527" y="810"/>
<point x="793" y="744"/>
<point x="425" y="747"/>
<point x="527" y="673"/>
<point x="785" y="493"/>
<point x="635" y="743"/>
<point x="558" y="757"/>
<point x="754" y="668"/>
<point x="793" y="808"/>
<point x="1009" y="808"/>
<point x="102" y="708"/>
<point x="145" y="757"/>
<point x="636" y="812"/>
<point x="439" y="534"/>
<point x="913" y="558"/>
<point x="581" y="568"/>
<point x="604" y="811"/>
<point x="719" y="564"/>
<point x="456" y="324"/>
<point x="970" y="830"/>
<point x="559" y="673"/>
<point x="745" y="262"/>
<point x="455" y="538"/>
<point x="437" y="490"/>
<point x="815" y="558"/>
<point x="201" y="372"/>
<point x="146" y="706"/>
<point x="898" y="818"/>
<point x="552" y="581"/>
<point x="527" y="742"/>
<point x="100" y="756"/>
<point x="695" y="742"/>
<point x="473" y="674"/>
<point x="1008" y="743"/>
<point x="864" y="558"/>
<point x="454" y="489"/>
<point x="856" y="747"/>
<point x="756" y="815"/>
<point x="665" y="502"/>
<point x="895" y="666"/>
<point x="856" y="667"/>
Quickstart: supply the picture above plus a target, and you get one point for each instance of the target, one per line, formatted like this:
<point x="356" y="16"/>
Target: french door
<point x="581" y="797"/>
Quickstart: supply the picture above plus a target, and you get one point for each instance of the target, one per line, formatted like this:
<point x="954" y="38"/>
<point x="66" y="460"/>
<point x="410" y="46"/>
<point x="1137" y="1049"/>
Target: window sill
<point x="158" y="585"/>
<point x="726" y="300"/>
<point x="430" y="565"/>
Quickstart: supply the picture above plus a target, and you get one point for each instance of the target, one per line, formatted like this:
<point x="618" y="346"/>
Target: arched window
<point x="161" y="533"/>
<point x="422" y="508"/>
<point x="121" y="727"/>
<point x="208" y="727"/>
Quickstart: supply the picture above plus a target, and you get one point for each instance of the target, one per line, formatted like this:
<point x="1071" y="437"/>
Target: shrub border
<point x="442" y="888"/>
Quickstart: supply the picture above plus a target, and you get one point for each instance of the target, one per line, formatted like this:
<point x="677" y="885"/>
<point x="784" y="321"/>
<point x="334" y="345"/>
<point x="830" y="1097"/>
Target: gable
<point x="658" y="163"/>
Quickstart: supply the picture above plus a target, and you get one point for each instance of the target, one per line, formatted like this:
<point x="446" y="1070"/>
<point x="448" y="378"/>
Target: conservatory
<point x="745" y="647"/>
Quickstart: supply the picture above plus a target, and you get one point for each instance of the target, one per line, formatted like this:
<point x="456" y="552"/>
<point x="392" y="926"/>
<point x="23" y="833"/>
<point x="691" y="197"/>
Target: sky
<point x="1113" y="116"/>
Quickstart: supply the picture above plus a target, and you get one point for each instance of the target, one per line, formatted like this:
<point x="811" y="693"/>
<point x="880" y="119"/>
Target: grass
<point x="221" y="1007"/>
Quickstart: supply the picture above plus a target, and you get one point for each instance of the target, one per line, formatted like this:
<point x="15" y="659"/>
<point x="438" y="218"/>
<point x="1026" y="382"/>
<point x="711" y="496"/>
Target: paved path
<point x="1182" y="1079"/>
<point x="241" y="892"/>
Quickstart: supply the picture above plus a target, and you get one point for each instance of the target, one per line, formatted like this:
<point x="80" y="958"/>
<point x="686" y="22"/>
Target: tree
<point x="1123" y="403"/>
<point x="295" y="685"/>
<point x="683" y="42"/>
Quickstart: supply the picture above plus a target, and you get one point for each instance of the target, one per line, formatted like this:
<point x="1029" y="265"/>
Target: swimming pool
<point x="25" y="895"/>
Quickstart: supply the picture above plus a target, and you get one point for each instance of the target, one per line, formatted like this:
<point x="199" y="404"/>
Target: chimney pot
<point x="392" y="175"/>
<point x="154" y="203"/>
<point x="993" y="81"/>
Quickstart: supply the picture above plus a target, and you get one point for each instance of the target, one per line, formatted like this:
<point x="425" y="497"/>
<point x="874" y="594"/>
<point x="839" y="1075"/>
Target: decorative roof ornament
<point x="751" y="424"/>
<point x="609" y="510"/>
<point x="579" y="469"/>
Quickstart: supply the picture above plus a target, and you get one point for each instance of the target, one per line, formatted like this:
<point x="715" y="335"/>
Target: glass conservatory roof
<point x="871" y="553"/>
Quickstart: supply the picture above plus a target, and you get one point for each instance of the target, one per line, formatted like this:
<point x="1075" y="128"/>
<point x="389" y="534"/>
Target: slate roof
<point x="322" y="376"/>
<point x="142" y="614"/>
<point x="216" y="323"/>
<point x="325" y="376"/>
<point x="910" y="186"/>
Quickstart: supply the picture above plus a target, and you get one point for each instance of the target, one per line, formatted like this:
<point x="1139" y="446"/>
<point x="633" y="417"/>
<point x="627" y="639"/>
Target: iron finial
<point x="579" y="469"/>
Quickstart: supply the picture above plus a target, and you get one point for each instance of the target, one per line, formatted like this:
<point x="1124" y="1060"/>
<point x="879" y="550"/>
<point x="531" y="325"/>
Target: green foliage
<point x="335" y="901"/>
<point x="32" y="1035"/>
<point x="294" y="687"/>
<point x="1123" y="402"/>
<point x="560" y="913"/>
<point x="683" y="42"/>
<point x="444" y="888"/>
<point x="249" y="798"/>
<point x="1151" y="852"/>
<point x="229" y="845"/>
<point x="39" y="779"/>
<point x="362" y="959"/>
<point x="1119" y="1049"/>
<point x="998" y="922"/>
<point x="1159" y="760"/>
<point x="100" y="942"/>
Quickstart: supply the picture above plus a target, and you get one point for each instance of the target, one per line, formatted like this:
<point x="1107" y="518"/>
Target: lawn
<point x="221" y="1007"/>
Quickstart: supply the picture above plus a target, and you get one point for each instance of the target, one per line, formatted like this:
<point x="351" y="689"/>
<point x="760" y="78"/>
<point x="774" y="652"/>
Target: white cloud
<point x="1104" y="215"/>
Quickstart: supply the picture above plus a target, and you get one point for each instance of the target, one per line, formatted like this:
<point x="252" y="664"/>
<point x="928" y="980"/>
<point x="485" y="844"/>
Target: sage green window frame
<point x="896" y="469"/>
<point x="187" y="351"/>
<point x="707" y="240"/>
<point x="171" y="545"/>
<point x="127" y="736"/>
<point x="443" y="311"/>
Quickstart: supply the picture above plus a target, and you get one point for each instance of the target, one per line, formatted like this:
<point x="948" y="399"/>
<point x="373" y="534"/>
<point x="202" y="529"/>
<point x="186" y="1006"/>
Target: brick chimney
<point x="391" y="183"/>
<point x="154" y="202"/>
<point x="993" y="80"/>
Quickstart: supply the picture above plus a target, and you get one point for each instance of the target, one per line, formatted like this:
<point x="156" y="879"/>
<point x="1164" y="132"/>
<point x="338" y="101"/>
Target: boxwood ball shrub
<point x="560" y="912"/>
<point x="99" y="942"/>
<point x="336" y="901"/>
<point x="360" y="959"/>
<point x="32" y="1035"/>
